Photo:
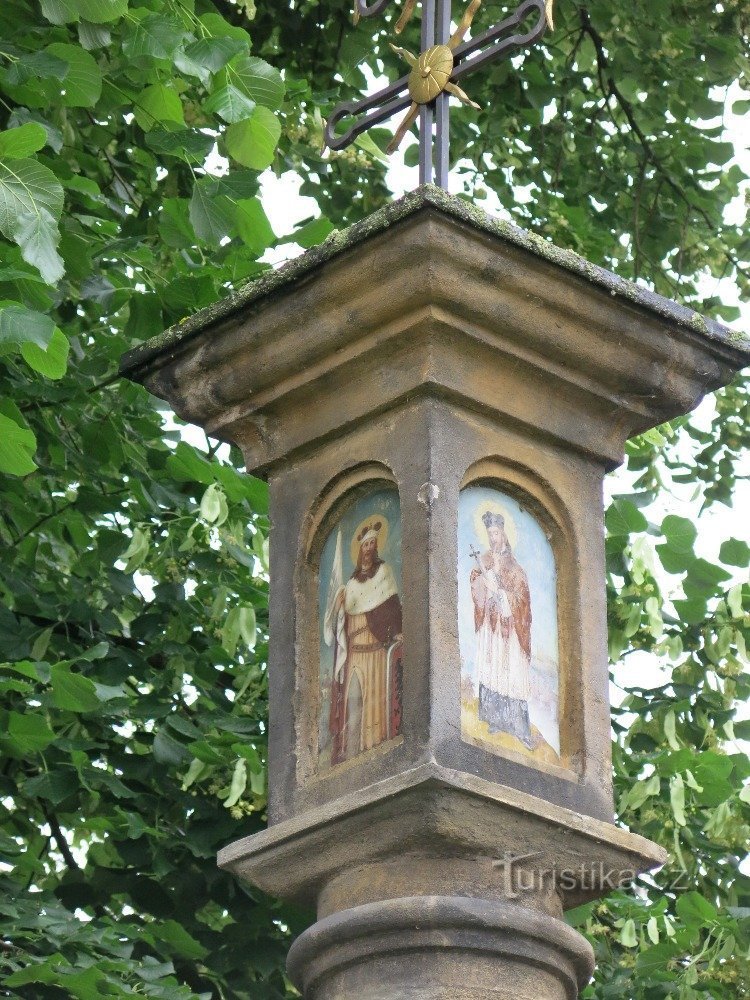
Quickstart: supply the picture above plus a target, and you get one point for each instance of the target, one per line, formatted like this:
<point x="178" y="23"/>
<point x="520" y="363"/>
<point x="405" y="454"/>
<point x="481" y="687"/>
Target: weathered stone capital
<point x="440" y="948"/>
<point x="432" y="297"/>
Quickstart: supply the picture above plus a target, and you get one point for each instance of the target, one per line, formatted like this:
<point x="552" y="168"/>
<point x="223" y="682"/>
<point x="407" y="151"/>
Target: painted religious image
<point x="361" y="646"/>
<point x="507" y="627"/>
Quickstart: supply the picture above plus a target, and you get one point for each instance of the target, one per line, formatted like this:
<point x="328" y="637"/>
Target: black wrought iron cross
<point x="444" y="59"/>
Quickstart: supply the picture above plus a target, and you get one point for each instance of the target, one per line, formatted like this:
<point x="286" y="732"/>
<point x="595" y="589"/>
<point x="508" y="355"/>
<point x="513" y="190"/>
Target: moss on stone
<point x="428" y="196"/>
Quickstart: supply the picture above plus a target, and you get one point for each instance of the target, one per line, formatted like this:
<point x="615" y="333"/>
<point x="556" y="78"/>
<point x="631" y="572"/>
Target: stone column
<point x="427" y="360"/>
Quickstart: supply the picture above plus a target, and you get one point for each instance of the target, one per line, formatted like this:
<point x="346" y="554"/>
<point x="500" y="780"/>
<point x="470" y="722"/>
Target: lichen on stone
<point x="425" y="197"/>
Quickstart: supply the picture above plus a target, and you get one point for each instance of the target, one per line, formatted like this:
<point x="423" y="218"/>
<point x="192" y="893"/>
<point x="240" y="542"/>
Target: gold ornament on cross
<point x="444" y="58"/>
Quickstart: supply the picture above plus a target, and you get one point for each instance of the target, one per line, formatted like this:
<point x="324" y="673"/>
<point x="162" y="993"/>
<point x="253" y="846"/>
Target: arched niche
<point x="352" y="620"/>
<point x="514" y="559"/>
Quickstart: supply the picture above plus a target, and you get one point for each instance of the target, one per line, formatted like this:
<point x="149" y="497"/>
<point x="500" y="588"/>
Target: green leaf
<point x="258" y="80"/>
<point x="210" y="216"/>
<point x="60" y="11"/>
<point x="73" y="692"/>
<point x="229" y="103"/>
<point x="692" y="611"/>
<point x="182" y="143"/>
<point x="624" y="518"/>
<point x="187" y="466"/>
<point x="366" y="142"/>
<point x="38" y="237"/>
<point x="158" y="105"/>
<point x="26" y="189"/>
<point x="311" y="234"/>
<point x="694" y="910"/>
<point x="168" y="750"/>
<point x="37" y="66"/>
<point x="28" y="732"/>
<point x="144" y="316"/>
<point x="96" y="11"/>
<point x="93" y="36"/>
<point x="703" y="579"/>
<point x="252" y="225"/>
<point x="22" y="141"/>
<point x="679" y="533"/>
<point x="51" y="362"/>
<point x="247" y="625"/>
<point x="179" y="941"/>
<point x="217" y="27"/>
<point x="207" y="56"/>
<point x="19" y="325"/>
<point x="238" y="785"/>
<point x="677" y="799"/>
<point x="54" y="786"/>
<point x="101" y="11"/>
<point x="152" y="36"/>
<point x="734" y="552"/>
<point x="213" y="506"/>
<point x="248" y="751"/>
<point x="628" y="936"/>
<point x="38" y="972"/>
<point x="17" y="445"/>
<point x="82" y="86"/>
<point x="672" y="561"/>
<point x="137" y="551"/>
<point x="734" y="601"/>
<point x="253" y="142"/>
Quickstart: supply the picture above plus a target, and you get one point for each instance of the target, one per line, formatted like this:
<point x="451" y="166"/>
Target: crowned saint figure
<point x="363" y="624"/>
<point x="502" y="622"/>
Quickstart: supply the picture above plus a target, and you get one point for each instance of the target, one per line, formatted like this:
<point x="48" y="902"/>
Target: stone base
<point x="438" y="885"/>
<point x="440" y="948"/>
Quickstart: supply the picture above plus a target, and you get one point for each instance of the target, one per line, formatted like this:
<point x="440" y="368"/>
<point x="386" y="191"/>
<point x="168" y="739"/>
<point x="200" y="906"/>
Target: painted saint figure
<point x="363" y="623"/>
<point x="502" y="622"/>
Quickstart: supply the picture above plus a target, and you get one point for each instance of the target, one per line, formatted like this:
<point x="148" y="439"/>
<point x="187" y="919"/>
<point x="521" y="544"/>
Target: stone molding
<point x="482" y="940"/>
<point x="452" y="309"/>
<point x="431" y="812"/>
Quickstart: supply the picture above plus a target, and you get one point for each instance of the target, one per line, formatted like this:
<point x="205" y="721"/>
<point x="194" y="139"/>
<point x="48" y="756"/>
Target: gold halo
<point x="382" y="535"/>
<point x="496" y="508"/>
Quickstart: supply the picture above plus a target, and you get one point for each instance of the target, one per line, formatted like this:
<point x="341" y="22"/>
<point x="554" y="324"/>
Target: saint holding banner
<point x="362" y="623"/>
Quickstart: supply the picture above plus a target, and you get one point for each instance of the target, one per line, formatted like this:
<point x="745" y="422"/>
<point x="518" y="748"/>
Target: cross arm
<point x="376" y="109"/>
<point x="491" y="45"/>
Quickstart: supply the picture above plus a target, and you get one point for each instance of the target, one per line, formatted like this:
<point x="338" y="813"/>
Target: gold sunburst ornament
<point x="435" y="73"/>
<point x="431" y="72"/>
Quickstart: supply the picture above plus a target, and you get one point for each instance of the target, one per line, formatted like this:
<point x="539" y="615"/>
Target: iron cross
<point x="444" y="59"/>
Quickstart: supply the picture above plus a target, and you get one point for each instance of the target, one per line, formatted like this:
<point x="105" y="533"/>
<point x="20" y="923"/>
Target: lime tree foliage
<point x="133" y="578"/>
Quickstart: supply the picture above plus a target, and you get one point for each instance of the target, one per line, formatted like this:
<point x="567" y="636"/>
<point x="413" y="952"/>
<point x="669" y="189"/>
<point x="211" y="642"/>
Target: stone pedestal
<point x="424" y="354"/>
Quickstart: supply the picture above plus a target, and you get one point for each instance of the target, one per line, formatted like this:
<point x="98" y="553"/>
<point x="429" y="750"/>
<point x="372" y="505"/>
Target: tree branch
<point x="609" y="88"/>
<point x="55" y="512"/>
<point x="60" y="840"/>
